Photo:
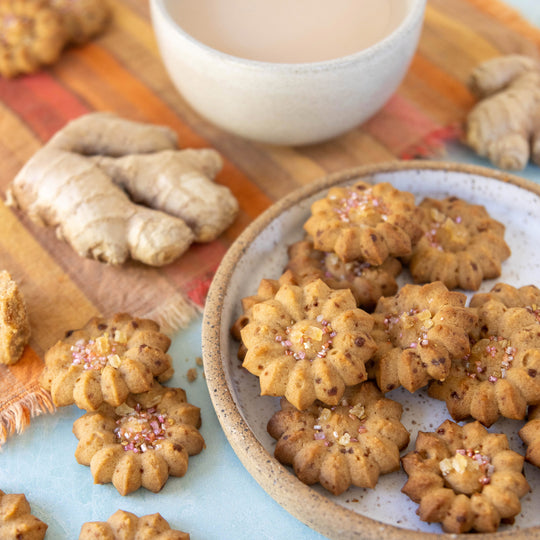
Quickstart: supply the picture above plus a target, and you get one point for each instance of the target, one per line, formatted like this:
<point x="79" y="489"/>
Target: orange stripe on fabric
<point x="444" y="84"/>
<point x="116" y="79"/>
<point x="509" y="17"/>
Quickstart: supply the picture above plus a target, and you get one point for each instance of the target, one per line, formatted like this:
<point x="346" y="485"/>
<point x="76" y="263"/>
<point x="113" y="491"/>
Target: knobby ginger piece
<point x="81" y="181"/>
<point x="505" y="124"/>
<point x="14" y="325"/>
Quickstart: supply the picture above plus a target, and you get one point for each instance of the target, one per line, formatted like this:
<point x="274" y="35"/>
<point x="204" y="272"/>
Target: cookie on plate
<point x="106" y="360"/>
<point x="461" y="246"/>
<point x="16" y="519"/>
<point x="124" y="525"/>
<point x="367" y="282"/>
<point x="352" y="443"/>
<point x="419" y="332"/>
<point x="501" y="375"/>
<point x="465" y="478"/>
<point x="308" y="343"/>
<point x="530" y="435"/>
<point x="365" y="222"/>
<point x="141" y="442"/>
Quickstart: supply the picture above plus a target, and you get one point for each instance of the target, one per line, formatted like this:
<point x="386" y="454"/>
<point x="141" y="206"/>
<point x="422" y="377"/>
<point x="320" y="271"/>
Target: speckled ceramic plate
<point x="260" y="252"/>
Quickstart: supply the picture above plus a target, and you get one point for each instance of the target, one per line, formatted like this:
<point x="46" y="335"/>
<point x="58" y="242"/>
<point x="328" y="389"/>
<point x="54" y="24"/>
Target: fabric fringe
<point x="16" y="417"/>
<point x="177" y="313"/>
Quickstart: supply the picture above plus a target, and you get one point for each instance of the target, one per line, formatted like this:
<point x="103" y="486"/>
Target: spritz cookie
<point x="364" y="222"/>
<point x="351" y="443"/>
<point x="465" y="478"/>
<point x="141" y="442"/>
<point x="308" y="343"/>
<point x="106" y="360"/>
<point x="462" y="244"/>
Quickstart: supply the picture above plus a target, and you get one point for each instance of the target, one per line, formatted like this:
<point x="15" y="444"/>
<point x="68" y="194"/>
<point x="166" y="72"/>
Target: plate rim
<point x="309" y="506"/>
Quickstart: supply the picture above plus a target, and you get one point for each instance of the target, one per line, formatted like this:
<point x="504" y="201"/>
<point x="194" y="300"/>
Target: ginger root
<point x="79" y="183"/>
<point x="504" y="126"/>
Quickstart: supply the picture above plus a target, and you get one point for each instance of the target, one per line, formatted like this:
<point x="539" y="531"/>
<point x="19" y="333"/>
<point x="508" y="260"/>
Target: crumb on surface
<point x="191" y="374"/>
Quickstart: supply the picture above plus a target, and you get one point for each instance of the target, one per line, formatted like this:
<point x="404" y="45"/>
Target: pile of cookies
<point x="135" y="432"/>
<point x="334" y="333"/>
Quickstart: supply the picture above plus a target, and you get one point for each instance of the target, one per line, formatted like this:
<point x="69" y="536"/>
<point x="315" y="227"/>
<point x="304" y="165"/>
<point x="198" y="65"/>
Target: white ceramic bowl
<point x="286" y="104"/>
<point x="261" y="251"/>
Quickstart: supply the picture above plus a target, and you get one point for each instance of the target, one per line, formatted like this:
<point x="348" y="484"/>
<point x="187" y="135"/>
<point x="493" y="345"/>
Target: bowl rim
<point x="414" y="14"/>
<point x="304" y="503"/>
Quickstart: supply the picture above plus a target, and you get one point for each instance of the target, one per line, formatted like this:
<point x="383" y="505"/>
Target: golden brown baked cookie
<point x="142" y="442"/>
<point x="266" y="290"/>
<point x="364" y="222"/>
<point x="501" y="375"/>
<point x="308" y="343"/>
<point x="124" y="525"/>
<point x="31" y="35"/>
<point x="461" y="245"/>
<point x="106" y="360"/>
<point x="419" y="332"/>
<point x="351" y="443"/>
<point x="366" y="281"/>
<point x="82" y="19"/>
<point x="16" y="520"/>
<point x="530" y="435"/>
<point x="465" y="478"/>
<point x="14" y="324"/>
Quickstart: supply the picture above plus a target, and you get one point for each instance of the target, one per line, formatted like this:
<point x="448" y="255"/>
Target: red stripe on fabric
<point x="43" y="104"/>
<point x="385" y="126"/>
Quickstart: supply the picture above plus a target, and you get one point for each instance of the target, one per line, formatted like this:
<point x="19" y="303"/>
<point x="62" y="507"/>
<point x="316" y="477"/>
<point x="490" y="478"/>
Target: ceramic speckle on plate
<point x="261" y="252"/>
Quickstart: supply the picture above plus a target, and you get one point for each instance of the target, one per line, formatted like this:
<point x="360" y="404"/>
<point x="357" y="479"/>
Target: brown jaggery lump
<point x="367" y="282"/>
<point x="461" y="246"/>
<point x="419" y="332"/>
<point x="14" y="324"/>
<point x="16" y="519"/>
<point x="31" y="35"/>
<point x="142" y="442"/>
<point x="364" y="222"/>
<point x="530" y="435"/>
<point x="82" y="19"/>
<point x="352" y="443"/>
<point x="124" y="525"/>
<point x="465" y="478"/>
<point x="501" y="375"/>
<point x="308" y="343"/>
<point x="106" y="360"/>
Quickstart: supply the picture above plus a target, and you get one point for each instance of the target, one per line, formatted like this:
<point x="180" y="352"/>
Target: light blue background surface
<point x="216" y="500"/>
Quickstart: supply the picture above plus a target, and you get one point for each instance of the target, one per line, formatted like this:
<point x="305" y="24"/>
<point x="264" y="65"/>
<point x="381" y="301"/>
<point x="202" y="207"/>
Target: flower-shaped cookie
<point x="106" y="360"/>
<point x="124" y="525"/>
<point x="31" y="35"/>
<point x="308" y="343"/>
<point x="16" y="520"/>
<point x="461" y="246"/>
<point x="142" y="442"/>
<point x="501" y="375"/>
<point x="530" y="435"/>
<point x="465" y="478"/>
<point x="351" y="443"/>
<point x="366" y="281"/>
<point x="419" y="332"/>
<point x="364" y="222"/>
